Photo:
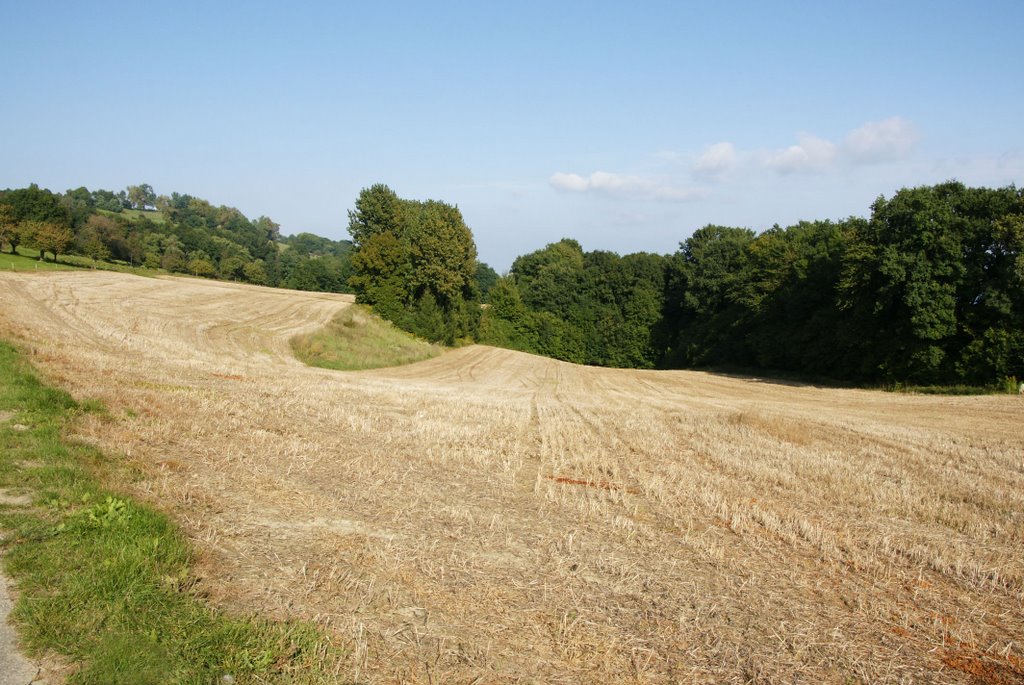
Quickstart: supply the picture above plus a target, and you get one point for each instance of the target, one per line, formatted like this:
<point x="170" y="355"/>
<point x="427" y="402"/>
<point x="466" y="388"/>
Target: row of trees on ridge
<point x="185" y="234"/>
<point x="928" y="289"/>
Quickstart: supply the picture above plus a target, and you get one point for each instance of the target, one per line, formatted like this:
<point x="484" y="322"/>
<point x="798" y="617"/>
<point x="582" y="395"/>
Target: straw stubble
<point x="491" y="516"/>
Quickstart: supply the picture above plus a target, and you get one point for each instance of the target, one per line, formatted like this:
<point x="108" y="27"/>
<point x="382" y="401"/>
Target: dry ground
<point x="494" y="517"/>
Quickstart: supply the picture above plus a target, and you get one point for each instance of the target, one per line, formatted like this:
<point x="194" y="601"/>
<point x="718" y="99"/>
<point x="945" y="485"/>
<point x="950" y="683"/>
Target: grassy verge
<point x="24" y="262"/>
<point x="104" y="580"/>
<point x="80" y="262"/>
<point x="356" y="339"/>
<point x="27" y="260"/>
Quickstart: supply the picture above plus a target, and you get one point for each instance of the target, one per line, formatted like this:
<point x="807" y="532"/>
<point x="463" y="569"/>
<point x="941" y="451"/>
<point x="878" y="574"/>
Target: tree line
<point x="928" y="290"/>
<point x="179" y="233"/>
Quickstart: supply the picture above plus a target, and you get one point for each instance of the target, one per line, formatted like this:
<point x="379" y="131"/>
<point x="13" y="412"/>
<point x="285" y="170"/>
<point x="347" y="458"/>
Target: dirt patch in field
<point x="490" y="516"/>
<point x="14" y="499"/>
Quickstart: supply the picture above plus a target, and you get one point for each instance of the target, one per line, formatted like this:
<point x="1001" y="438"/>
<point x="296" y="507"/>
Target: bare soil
<point x="494" y="517"/>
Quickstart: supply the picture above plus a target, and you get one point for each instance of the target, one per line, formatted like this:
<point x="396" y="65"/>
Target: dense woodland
<point x="928" y="289"/>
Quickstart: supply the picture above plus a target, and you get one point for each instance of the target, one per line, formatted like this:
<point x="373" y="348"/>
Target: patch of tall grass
<point x="357" y="339"/>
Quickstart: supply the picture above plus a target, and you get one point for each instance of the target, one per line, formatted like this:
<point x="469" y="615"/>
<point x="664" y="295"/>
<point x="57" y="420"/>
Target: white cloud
<point x="889" y="140"/>
<point x="626" y="186"/>
<point x="810" y="154"/>
<point x="569" y="182"/>
<point x="881" y="141"/>
<point x="715" y="159"/>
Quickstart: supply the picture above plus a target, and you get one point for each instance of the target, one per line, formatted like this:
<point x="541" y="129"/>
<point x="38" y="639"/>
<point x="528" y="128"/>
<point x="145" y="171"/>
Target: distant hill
<point x="178" y="233"/>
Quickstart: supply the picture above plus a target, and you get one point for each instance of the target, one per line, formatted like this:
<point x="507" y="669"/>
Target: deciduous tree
<point x="141" y="196"/>
<point x="46" y="237"/>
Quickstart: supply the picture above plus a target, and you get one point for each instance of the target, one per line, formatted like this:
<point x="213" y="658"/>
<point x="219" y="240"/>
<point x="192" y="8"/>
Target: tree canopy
<point x="185" y="235"/>
<point x="929" y="289"/>
<point x="415" y="263"/>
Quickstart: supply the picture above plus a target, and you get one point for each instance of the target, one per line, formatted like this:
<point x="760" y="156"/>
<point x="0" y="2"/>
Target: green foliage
<point x="105" y="582"/>
<point x="929" y="291"/>
<point x="382" y="274"/>
<point x="35" y="204"/>
<point x="415" y="263"/>
<point x="932" y="288"/>
<point x="255" y="272"/>
<point x="200" y="264"/>
<point x="8" y="227"/>
<point x="378" y="210"/>
<point x="45" y="237"/>
<point x="90" y="241"/>
<point x="112" y="511"/>
<point x="184" y="235"/>
<point x="428" y="319"/>
<point x="486" y="277"/>
<point x="506" y="320"/>
<point x="593" y="308"/>
<point x="141" y="196"/>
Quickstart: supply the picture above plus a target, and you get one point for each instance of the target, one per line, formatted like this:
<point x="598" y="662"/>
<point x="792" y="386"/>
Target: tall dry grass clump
<point x="356" y="339"/>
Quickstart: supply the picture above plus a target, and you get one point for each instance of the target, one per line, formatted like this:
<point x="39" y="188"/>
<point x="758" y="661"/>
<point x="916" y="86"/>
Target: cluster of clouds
<point x="875" y="142"/>
<point x="624" y="185"/>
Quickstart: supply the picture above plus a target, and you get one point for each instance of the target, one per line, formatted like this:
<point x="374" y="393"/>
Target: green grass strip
<point x="357" y="339"/>
<point x="26" y="262"/>
<point x="27" y="259"/>
<point x="104" y="580"/>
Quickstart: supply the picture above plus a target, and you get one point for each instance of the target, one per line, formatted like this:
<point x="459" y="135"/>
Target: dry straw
<point x="495" y="517"/>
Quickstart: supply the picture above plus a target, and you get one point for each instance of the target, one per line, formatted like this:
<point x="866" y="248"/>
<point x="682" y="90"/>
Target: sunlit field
<point x="488" y="516"/>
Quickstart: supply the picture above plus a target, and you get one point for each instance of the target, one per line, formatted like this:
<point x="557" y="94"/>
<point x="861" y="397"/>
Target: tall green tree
<point x="704" y="299"/>
<point x="410" y="255"/>
<point x="790" y="297"/>
<point x="505" y="321"/>
<point x="485" y="277"/>
<point x="927" y="277"/>
<point x="141" y="196"/>
<point x="378" y="209"/>
<point x="46" y="237"/>
<point x="382" y="275"/>
<point x="442" y="252"/>
<point x="36" y="204"/>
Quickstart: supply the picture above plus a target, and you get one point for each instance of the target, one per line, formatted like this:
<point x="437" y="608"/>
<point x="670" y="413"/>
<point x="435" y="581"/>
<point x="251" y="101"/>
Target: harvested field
<point x="493" y="517"/>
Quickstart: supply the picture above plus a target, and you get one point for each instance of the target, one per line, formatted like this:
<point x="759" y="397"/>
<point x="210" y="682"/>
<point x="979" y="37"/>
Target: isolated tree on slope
<point x="141" y="196"/>
<point x="46" y="237"/>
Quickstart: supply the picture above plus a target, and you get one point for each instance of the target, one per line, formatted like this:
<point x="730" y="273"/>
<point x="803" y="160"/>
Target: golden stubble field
<point x="495" y="517"/>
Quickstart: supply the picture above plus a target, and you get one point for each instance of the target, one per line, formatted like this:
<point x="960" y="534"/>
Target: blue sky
<point x="624" y="125"/>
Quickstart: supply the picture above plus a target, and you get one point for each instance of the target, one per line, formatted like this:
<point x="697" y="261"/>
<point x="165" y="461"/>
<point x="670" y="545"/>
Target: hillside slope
<point x="491" y="516"/>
